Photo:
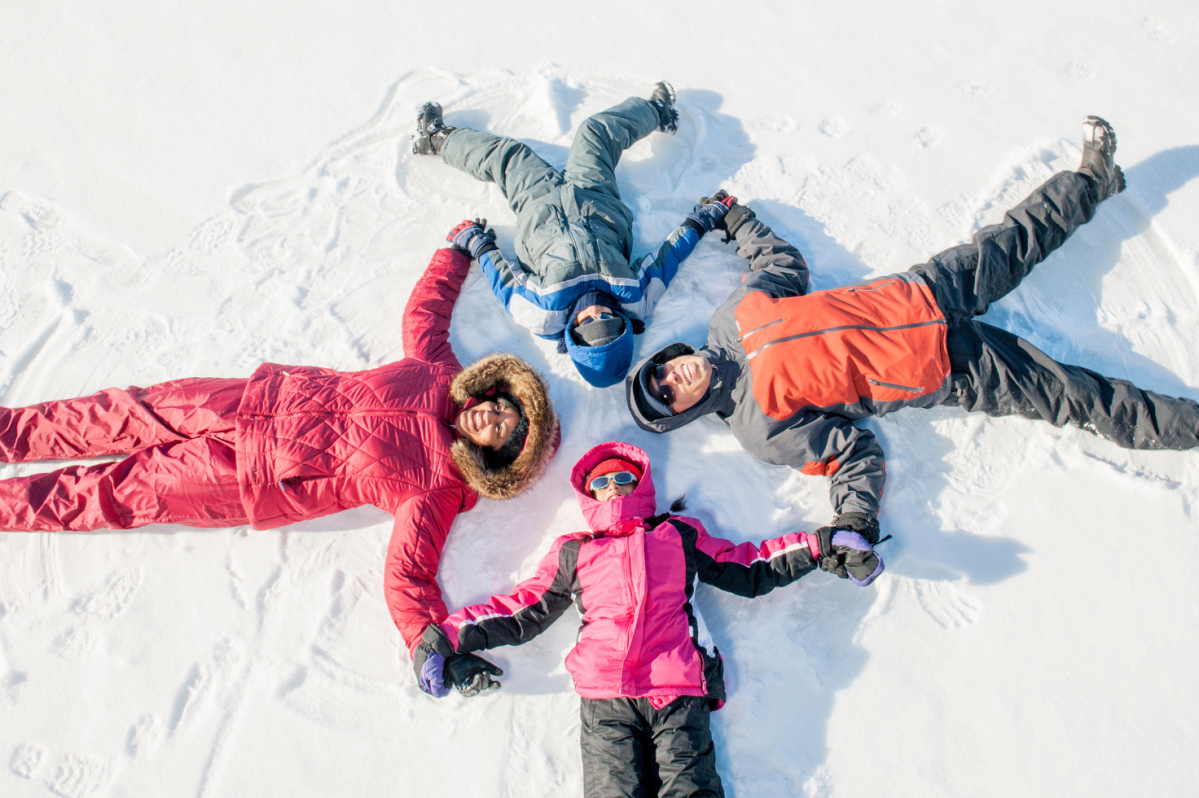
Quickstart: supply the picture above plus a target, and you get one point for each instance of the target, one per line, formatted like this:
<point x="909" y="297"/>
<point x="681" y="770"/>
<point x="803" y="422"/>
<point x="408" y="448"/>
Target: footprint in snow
<point x="947" y="603"/>
<point x="70" y="775"/>
<point x="834" y="128"/>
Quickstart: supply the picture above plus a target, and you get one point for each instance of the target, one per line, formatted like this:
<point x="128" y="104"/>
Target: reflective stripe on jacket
<point x="881" y="341"/>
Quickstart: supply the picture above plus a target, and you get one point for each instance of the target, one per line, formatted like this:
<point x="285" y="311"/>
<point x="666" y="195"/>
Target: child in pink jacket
<point x="644" y="665"/>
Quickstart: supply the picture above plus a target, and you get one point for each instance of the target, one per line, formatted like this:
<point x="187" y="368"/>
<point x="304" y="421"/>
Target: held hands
<point x="473" y="237"/>
<point x="467" y="672"/>
<point x="846" y="554"/>
<point x="471" y="674"/>
<point x="710" y="212"/>
<point x="438" y="668"/>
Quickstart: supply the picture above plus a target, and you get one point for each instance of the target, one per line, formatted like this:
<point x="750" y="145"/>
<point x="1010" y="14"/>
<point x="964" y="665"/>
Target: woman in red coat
<point x="420" y="438"/>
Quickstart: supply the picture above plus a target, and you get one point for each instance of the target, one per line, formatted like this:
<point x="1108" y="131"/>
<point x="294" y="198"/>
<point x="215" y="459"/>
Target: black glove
<point x="471" y="674"/>
<point x="738" y="214"/>
<point x="865" y="525"/>
<point x="847" y="555"/>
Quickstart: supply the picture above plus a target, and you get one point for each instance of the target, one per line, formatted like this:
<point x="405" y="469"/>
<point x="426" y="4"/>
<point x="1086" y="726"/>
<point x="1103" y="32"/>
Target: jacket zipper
<point x="876" y="288"/>
<point x="908" y="388"/>
<point x="786" y="338"/>
<point x="758" y="329"/>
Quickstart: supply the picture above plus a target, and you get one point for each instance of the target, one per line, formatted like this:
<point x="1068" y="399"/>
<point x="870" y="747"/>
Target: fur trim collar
<point x="521" y="380"/>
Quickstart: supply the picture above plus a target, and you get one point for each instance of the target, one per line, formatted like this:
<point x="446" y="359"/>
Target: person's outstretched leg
<point x="618" y="759"/>
<point x="602" y="139"/>
<point x="1001" y="374"/>
<point x="191" y="482"/>
<point x="966" y="279"/>
<point x="684" y="749"/>
<point x="520" y="174"/>
<point x="119" y="422"/>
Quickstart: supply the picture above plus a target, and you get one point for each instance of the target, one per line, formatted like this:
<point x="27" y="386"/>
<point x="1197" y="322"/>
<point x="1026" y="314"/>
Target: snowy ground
<point x="192" y="189"/>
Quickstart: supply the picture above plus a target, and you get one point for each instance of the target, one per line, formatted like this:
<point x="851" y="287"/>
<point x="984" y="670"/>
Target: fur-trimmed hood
<point x="509" y="372"/>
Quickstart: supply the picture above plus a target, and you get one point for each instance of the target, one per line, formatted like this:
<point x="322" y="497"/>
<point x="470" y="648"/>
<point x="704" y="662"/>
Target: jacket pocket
<point x="714" y="674"/>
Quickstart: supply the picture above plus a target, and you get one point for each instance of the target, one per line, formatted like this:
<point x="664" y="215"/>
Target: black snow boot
<point x="1099" y="158"/>
<point x="431" y="130"/>
<point x="663" y="100"/>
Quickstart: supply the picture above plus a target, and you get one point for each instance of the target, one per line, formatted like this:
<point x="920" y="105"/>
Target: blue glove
<point x="846" y="554"/>
<point x="708" y="215"/>
<point x="473" y="236"/>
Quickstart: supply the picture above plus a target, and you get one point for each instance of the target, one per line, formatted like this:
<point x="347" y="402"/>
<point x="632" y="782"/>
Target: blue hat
<point x="606" y="364"/>
<point x="604" y="355"/>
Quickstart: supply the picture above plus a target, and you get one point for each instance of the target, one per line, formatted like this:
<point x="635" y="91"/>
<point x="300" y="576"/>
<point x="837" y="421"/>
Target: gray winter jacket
<point x="816" y="436"/>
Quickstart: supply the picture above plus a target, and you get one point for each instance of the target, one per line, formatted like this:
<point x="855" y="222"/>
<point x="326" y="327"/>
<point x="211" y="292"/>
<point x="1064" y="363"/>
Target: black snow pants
<point x="1000" y="374"/>
<point x="631" y="749"/>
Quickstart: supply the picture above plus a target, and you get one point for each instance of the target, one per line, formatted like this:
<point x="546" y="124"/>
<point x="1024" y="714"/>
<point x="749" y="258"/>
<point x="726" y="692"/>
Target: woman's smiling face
<point x="487" y="424"/>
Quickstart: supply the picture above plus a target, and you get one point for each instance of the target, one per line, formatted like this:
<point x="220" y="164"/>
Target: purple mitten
<point x="432" y="676"/>
<point x="859" y="561"/>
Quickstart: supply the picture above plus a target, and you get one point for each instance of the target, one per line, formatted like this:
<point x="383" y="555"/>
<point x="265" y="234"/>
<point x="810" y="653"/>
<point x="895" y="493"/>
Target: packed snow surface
<point x="193" y="189"/>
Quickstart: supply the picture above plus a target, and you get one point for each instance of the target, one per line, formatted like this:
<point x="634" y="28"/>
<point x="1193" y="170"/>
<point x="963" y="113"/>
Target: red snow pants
<point x="181" y="466"/>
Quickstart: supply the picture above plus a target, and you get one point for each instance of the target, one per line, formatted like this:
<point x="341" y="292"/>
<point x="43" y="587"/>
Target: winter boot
<point x="431" y="130"/>
<point x="1099" y="158"/>
<point x="663" y="101"/>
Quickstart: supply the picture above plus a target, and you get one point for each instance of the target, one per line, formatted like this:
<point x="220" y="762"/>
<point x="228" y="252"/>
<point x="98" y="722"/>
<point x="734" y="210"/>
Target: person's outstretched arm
<point x="443" y="655"/>
<point x="526" y="612"/>
<point x="755" y="569"/>
<point x="775" y="266"/>
<point x="655" y="271"/>
<point x="426" y="324"/>
<point x="826" y="445"/>
<point x="413" y="556"/>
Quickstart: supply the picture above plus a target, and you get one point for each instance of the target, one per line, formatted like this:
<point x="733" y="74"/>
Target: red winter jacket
<point x="313" y="441"/>
<point x="633" y="581"/>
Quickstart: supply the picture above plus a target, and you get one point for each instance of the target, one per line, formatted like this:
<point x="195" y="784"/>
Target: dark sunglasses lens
<point x="665" y="392"/>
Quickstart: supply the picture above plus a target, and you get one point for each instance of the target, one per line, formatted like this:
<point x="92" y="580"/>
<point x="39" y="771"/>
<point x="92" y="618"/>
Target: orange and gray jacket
<point x="793" y="370"/>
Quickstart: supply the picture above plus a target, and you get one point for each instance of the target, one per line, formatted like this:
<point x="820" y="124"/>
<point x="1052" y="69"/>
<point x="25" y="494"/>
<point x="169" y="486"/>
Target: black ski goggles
<point x="620" y="478"/>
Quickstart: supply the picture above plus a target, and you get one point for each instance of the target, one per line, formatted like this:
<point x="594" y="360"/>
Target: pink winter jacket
<point x="313" y="441"/>
<point x="633" y="577"/>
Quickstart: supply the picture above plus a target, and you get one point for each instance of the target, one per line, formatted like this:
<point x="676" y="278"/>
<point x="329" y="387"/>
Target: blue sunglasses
<point x="620" y="478"/>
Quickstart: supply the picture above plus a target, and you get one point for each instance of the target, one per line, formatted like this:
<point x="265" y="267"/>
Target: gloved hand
<point x="738" y="214"/>
<point x="865" y="525"/>
<point x="473" y="237"/>
<point x="428" y="660"/>
<point x="710" y="212"/>
<point x="471" y="674"/>
<point x="847" y="555"/>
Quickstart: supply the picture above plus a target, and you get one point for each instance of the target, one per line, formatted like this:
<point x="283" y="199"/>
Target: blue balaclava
<point x="602" y="351"/>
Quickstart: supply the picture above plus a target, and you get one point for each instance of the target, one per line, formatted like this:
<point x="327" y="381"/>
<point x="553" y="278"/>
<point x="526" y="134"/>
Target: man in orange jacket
<point x="790" y="371"/>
